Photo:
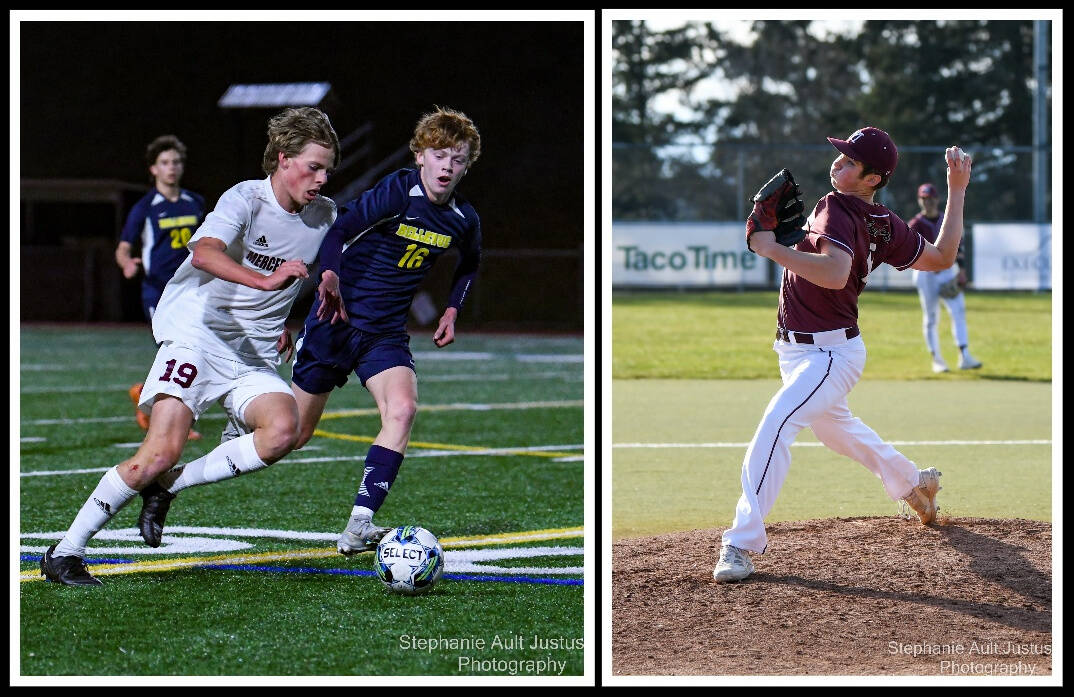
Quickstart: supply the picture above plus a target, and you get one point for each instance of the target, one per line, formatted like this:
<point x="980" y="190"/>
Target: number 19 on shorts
<point x="184" y="375"/>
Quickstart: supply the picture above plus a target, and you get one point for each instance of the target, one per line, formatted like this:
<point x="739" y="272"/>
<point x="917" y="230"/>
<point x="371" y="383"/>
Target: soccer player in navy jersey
<point x="160" y="225"/>
<point x="375" y="256"/>
<point x="380" y="249"/>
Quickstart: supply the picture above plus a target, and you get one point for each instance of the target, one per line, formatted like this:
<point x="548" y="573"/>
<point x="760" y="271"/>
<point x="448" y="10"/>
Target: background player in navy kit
<point x="929" y="283"/>
<point x="158" y="228"/>
<point x="390" y="237"/>
<point x="375" y="256"/>
<point x="820" y="348"/>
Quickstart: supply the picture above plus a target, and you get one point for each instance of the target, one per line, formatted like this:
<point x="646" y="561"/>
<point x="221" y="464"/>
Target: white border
<point x="666" y="16"/>
<point x="587" y="18"/>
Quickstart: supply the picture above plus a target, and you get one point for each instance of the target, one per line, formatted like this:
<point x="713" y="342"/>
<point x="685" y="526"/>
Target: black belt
<point x="800" y="338"/>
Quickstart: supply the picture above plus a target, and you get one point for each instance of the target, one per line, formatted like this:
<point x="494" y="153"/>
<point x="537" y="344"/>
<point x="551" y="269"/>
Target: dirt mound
<point x="845" y="596"/>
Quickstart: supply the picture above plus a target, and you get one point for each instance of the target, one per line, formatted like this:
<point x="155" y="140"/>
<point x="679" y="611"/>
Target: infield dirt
<point x="845" y="596"/>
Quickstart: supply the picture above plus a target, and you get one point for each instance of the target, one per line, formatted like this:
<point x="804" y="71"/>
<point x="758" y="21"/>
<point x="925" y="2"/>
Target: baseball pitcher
<point x="820" y="348"/>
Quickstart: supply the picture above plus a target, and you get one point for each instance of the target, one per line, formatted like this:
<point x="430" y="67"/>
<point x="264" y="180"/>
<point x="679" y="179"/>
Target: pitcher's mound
<point x="844" y="596"/>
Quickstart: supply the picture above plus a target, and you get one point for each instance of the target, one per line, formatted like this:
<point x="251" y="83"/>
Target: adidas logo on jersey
<point x="261" y="242"/>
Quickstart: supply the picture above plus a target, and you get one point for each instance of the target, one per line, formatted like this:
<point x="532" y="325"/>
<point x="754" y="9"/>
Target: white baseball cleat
<point x="922" y="498"/>
<point x="938" y="365"/>
<point x="968" y="362"/>
<point x="734" y="565"/>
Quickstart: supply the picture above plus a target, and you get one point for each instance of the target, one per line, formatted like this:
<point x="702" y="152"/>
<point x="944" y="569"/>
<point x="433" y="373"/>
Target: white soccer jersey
<point x="229" y="319"/>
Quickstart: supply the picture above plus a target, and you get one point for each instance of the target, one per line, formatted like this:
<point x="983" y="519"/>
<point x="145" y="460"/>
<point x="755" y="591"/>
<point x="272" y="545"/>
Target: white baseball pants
<point x="928" y="290"/>
<point x="816" y="381"/>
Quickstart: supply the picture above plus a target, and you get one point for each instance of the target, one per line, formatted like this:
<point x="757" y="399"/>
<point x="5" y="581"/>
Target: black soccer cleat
<point x="155" y="504"/>
<point x="68" y="570"/>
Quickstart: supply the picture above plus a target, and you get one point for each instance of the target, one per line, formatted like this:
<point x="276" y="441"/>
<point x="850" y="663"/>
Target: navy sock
<point x="381" y="468"/>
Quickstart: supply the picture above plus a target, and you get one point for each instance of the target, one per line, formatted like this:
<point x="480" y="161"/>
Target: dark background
<point x="94" y="94"/>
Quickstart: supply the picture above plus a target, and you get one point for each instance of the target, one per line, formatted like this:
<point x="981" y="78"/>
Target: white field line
<point x="430" y="356"/>
<point x="289" y="555"/>
<point x="410" y="456"/>
<point x="820" y="445"/>
<point x="500" y="377"/>
<point x="335" y="413"/>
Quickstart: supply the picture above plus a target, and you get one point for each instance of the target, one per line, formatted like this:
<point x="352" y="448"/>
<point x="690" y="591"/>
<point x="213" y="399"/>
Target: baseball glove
<point x="778" y="207"/>
<point x="951" y="289"/>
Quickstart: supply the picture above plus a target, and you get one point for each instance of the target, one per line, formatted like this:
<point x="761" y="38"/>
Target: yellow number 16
<point x="413" y="258"/>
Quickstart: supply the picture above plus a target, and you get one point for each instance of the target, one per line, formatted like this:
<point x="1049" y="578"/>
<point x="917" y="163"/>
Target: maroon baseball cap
<point x="870" y="146"/>
<point x="927" y="190"/>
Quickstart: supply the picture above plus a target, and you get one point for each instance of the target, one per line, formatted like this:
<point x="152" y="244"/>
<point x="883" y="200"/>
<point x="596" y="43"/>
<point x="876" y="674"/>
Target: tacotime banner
<point x="706" y="254"/>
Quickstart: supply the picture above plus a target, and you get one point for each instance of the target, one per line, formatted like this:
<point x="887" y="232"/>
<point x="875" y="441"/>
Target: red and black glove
<point x="778" y="207"/>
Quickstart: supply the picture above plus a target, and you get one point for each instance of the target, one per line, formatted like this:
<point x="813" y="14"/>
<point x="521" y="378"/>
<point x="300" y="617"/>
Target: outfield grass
<point x="730" y="335"/>
<point x="286" y="603"/>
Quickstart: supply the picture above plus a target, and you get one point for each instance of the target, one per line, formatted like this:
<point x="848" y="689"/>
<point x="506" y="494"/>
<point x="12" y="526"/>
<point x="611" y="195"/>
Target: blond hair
<point x="292" y="129"/>
<point x="446" y="128"/>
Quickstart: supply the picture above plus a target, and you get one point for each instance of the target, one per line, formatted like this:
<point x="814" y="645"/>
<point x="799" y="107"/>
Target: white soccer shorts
<point x="200" y="379"/>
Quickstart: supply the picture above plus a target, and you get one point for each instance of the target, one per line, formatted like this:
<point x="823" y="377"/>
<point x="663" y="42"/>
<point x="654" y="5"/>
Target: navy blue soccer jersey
<point x="161" y="229"/>
<point x="390" y="237"/>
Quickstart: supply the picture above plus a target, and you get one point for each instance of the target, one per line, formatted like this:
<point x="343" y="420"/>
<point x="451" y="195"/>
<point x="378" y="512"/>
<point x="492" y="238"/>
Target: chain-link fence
<point x="715" y="182"/>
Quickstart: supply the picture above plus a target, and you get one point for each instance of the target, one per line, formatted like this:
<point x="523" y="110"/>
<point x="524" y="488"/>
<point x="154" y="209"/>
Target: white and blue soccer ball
<point x="409" y="560"/>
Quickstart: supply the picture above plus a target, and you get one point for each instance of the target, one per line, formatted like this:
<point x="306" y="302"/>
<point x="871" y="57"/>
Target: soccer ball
<point x="409" y="560"/>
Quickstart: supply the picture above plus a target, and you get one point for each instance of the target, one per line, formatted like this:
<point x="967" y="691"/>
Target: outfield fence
<point x="713" y="255"/>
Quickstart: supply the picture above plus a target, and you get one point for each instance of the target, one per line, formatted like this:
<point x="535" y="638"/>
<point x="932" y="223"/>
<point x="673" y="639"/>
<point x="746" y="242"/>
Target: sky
<point x="739" y="31"/>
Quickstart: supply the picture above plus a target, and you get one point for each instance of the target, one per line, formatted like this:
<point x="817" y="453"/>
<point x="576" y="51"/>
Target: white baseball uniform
<point x="928" y="290"/>
<point x="218" y="338"/>
<point x="821" y="357"/>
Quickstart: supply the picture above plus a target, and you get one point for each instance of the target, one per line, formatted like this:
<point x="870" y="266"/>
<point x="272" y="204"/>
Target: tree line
<point x="929" y="84"/>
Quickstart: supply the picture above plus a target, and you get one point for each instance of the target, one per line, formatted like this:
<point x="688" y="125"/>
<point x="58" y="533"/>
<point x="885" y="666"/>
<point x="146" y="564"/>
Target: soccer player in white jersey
<point x="220" y="326"/>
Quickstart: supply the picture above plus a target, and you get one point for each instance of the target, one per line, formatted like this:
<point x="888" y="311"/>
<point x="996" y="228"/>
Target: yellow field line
<point x="315" y="553"/>
<point x="448" y="446"/>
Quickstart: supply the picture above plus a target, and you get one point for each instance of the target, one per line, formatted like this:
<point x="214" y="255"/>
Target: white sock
<point x="362" y="511"/>
<point x="227" y="460"/>
<point x="111" y="495"/>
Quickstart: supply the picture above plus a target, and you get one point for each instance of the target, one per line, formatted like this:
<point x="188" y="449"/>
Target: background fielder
<point x="945" y="285"/>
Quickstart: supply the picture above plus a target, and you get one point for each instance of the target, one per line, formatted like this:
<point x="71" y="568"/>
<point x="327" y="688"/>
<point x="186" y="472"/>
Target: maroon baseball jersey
<point x="871" y="234"/>
<point x="926" y="227"/>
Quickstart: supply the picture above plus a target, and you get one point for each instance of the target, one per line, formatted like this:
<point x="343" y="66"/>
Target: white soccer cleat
<point x="968" y="362"/>
<point x="922" y="498"/>
<point x="360" y="536"/>
<point x="939" y="366"/>
<point x="734" y="565"/>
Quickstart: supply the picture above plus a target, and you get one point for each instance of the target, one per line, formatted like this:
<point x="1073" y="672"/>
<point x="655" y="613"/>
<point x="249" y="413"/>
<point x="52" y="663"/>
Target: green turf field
<point x="730" y="335"/>
<point x="248" y="581"/>
<point x="679" y="436"/>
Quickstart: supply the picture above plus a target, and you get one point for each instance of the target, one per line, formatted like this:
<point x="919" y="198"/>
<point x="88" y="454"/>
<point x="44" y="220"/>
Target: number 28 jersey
<point x="389" y="238"/>
<point x="162" y="228"/>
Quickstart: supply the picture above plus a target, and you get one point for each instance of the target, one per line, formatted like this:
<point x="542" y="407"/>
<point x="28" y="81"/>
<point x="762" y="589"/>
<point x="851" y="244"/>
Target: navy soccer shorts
<point x="329" y="353"/>
<point x="150" y="298"/>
